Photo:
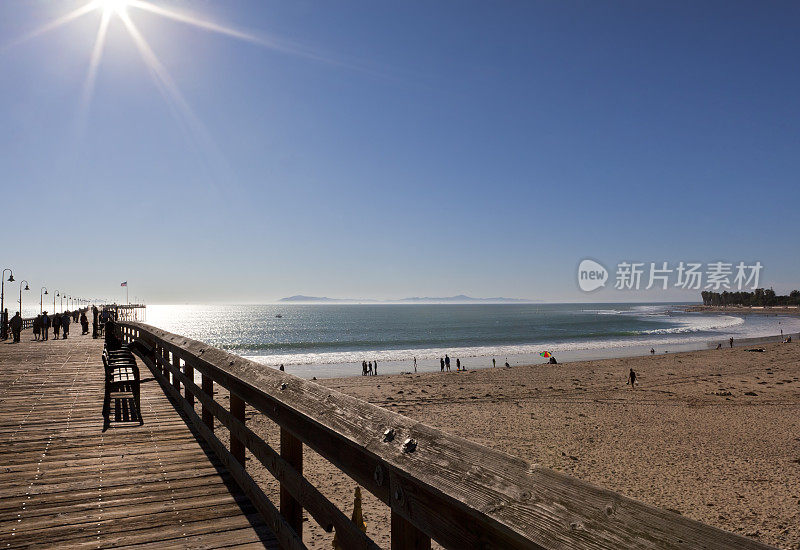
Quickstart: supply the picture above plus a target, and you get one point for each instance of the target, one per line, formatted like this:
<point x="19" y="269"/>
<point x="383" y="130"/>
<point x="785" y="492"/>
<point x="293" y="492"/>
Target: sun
<point x="113" y="6"/>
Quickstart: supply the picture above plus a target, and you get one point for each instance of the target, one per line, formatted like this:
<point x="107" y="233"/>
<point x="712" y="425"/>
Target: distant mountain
<point x="460" y="299"/>
<point x="299" y="298"/>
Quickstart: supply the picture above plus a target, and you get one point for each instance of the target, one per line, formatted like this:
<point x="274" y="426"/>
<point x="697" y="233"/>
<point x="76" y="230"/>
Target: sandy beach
<point x="713" y="435"/>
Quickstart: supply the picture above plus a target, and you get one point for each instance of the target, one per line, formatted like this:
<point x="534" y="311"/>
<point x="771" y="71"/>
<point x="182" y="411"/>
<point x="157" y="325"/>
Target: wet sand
<point x="713" y="435"/>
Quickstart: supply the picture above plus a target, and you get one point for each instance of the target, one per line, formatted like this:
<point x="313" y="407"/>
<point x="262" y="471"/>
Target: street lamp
<point x="54" y="301"/>
<point x="62" y="302"/>
<point x="40" y="299"/>
<point x="3" y="321"/>
<point x="20" y="295"/>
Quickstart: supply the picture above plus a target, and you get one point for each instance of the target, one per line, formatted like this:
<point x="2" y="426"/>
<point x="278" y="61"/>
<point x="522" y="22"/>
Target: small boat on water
<point x="279" y="316"/>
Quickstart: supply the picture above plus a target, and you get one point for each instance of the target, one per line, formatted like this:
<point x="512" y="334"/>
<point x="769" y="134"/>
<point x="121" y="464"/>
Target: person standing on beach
<point x="494" y="362"/>
<point x="363" y="368"/>
<point x="369" y="368"/>
<point x="447" y="362"/>
<point x="415" y="364"/>
<point x="65" y="325"/>
<point x="441" y="364"/>
<point x="731" y="341"/>
<point x="652" y="351"/>
<point x="375" y="363"/>
<point x="632" y="379"/>
<point x="507" y="365"/>
<point x="458" y="364"/>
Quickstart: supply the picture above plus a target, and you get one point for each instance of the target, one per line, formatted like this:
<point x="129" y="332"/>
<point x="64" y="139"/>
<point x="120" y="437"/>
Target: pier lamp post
<point x="62" y="302"/>
<point x="56" y="295"/>
<point x="41" y="306"/>
<point x="3" y="320"/>
<point x="20" y="294"/>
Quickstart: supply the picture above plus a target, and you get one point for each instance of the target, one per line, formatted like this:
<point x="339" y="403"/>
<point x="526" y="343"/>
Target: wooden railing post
<point x="176" y="362"/>
<point x="188" y="370"/>
<point x="208" y="389"/>
<point x="164" y="361"/>
<point x="237" y="411"/>
<point x="292" y="452"/>
<point x="407" y="537"/>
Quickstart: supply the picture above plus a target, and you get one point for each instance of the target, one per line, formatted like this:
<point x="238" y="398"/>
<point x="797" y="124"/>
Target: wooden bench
<point x="122" y="380"/>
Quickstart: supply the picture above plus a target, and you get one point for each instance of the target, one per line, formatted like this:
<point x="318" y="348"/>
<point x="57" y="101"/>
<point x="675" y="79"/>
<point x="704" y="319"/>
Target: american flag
<point x="124" y="284"/>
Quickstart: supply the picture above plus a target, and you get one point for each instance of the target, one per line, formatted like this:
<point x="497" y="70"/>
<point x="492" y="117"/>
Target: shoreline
<point x="329" y="371"/>
<point x="745" y="310"/>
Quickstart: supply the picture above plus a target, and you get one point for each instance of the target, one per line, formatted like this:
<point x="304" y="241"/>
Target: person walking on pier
<point x="37" y="327"/>
<point x="65" y="324"/>
<point x="16" y="326"/>
<point x="95" y="322"/>
<point x="84" y="323"/>
<point x="56" y="325"/>
<point x="45" y="326"/>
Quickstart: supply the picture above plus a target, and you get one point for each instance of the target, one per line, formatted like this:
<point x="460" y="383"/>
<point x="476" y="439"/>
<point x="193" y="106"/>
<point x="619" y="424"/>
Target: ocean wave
<point x="697" y="324"/>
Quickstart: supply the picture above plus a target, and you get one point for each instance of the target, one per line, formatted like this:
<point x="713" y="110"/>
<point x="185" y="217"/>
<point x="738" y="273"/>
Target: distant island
<point x="460" y="299"/>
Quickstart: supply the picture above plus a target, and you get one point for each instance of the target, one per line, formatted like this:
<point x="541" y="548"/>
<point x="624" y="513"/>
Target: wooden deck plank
<point x="66" y="483"/>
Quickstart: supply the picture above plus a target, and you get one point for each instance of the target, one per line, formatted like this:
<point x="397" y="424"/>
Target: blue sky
<point x="391" y="149"/>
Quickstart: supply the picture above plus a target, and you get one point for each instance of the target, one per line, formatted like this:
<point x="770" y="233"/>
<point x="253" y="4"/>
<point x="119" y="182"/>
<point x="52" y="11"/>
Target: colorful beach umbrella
<point x="546" y="354"/>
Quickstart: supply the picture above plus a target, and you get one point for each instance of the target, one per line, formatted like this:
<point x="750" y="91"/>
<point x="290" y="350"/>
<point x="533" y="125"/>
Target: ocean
<point x="332" y="339"/>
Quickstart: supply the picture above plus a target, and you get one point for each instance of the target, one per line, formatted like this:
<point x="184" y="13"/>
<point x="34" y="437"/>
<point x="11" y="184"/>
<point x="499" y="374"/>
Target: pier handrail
<point x="438" y="486"/>
<point x="27" y="322"/>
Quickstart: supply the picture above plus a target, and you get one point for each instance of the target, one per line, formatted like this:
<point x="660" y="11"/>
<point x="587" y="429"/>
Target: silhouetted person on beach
<point x="447" y="362"/>
<point x="731" y="341"/>
<point x="363" y="368"/>
<point x="281" y="367"/>
<point x="369" y="368"/>
<point x="415" y="364"/>
<point x="652" y="351"/>
<point x="45" y="326"/>
<point x="56" y="326"/>
<point x="458" y="364"/>
<point x="441" y="364"/>
<point x="719" y="346"/>
<point x="16" y="326"/>
<point x="494" y="362"/>
<point x="65" y="325"/>
<point x="84" y="323"/>
<point x="375" y="367"/>
<point x="507" y="365"/>
<point x="632" y="379"/>
<point x="553" y="360"/>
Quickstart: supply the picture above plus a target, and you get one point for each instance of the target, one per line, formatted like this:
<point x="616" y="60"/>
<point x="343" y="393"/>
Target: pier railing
<point x="438" y="486"/>
<point x="27" y="322"/>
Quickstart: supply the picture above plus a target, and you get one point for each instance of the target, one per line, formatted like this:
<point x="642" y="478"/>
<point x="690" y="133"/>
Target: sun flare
<point x="113" y="6"/>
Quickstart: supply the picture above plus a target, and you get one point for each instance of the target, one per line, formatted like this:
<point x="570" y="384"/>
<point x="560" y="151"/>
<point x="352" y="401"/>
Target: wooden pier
<point x="181" y="480"/>
<point x="67" y="484"/>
